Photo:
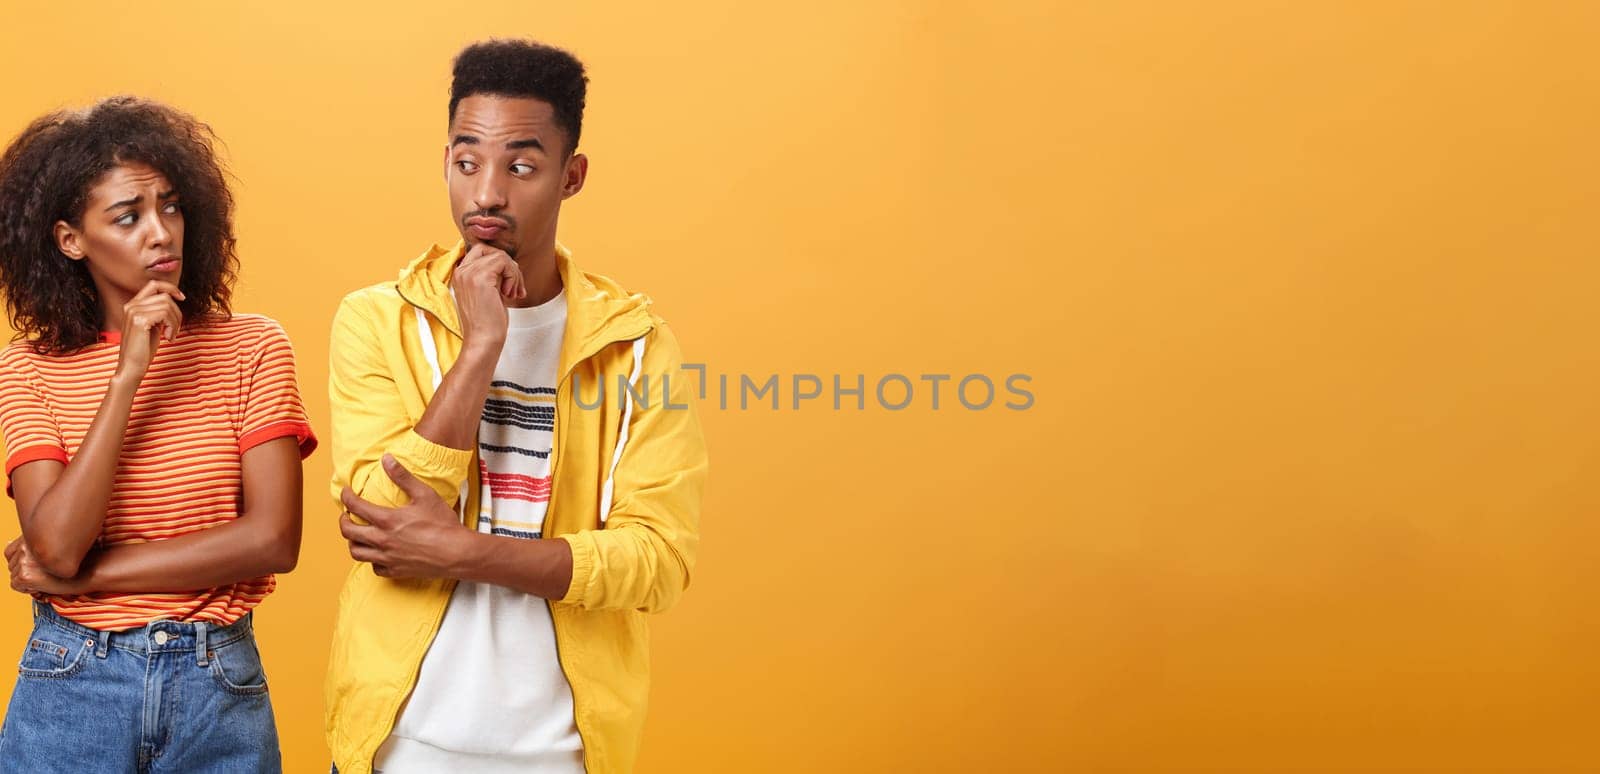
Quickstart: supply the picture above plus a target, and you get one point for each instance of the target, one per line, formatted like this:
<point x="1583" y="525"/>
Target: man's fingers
<point x="488" y="264"/>
<point x="507" y="268"/>
<point x="372" y="514"/>
<point x="514" y="289"/>
<point x="499" y="266"/>
<point x="13" y="547"/>
<point x="510" y="276"/>
<point x="365" y="553"/>
<point x="358" y="533"/>
<point x="402" y="478"/>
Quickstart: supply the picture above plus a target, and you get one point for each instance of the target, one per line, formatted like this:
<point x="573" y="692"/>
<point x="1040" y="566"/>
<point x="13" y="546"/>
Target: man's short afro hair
<point x="523" y="68"/>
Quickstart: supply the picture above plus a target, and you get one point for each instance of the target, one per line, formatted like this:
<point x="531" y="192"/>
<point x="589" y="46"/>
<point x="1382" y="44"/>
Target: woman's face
<point x="130" y="232"/>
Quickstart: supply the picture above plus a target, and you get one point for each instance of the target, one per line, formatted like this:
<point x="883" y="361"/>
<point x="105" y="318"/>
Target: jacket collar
<point x="599" y="311"/>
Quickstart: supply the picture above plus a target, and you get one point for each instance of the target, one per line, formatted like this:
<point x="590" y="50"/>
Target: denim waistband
<point x="163" y="636"/>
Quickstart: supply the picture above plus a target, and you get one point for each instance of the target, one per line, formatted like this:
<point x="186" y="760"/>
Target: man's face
<point x="507" y="171"/>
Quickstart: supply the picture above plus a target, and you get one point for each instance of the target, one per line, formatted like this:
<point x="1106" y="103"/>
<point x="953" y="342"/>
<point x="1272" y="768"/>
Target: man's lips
<point x="486" y="228"/>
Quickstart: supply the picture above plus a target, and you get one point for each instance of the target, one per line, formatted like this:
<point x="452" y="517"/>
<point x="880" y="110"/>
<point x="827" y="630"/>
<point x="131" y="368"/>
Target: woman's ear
<point x="69" y="241"/>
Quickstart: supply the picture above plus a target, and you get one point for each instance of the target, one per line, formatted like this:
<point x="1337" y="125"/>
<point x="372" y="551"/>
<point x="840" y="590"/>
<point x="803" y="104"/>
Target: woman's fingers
<point x="157" y="287"/>
<point x="157" y="310"/>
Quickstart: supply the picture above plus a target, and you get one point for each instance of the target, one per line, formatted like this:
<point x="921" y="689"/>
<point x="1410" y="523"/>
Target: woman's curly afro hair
<point x="46" y="175"/>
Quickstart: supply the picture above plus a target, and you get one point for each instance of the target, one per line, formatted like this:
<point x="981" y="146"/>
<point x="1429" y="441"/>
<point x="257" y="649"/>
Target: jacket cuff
<point x="431" y="461"/>
<point x="582" y="566"/>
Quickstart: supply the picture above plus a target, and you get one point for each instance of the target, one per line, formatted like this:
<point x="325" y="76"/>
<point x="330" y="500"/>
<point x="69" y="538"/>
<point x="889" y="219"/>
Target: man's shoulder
<point x="373" y="299"/>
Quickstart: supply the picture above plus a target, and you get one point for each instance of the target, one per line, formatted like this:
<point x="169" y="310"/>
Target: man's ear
<point x="577" y="170"/>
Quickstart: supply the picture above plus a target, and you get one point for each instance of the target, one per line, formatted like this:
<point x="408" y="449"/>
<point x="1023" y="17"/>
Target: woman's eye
<point x="126" y="220"/>
<point x="172" y="208"/>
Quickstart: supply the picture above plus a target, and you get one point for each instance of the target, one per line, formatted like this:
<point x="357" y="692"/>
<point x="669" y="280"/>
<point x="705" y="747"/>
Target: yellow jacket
<point x="626" y="489"/>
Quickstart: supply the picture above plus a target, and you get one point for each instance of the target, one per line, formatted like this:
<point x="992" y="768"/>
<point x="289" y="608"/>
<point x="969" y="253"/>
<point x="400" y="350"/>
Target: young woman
<point x="153" y="447"/>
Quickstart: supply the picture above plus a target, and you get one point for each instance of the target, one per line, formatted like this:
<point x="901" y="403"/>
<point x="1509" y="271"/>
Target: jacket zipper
<point x="549" y="513"/>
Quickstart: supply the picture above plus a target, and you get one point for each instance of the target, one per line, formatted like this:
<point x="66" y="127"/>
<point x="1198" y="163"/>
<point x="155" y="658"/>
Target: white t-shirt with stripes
<point x="491" y="696"/>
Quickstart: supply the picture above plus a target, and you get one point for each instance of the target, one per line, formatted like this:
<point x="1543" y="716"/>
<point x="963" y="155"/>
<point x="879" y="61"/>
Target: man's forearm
<point x="541" y="567"/>
<point x="452" y="417"/>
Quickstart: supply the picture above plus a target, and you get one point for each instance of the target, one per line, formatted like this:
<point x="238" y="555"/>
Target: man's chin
<point x="505" y="247"/>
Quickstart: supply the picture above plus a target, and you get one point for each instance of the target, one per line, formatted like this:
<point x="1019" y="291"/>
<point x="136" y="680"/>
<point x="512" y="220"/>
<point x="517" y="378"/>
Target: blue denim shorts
<point x="167" y="697"/>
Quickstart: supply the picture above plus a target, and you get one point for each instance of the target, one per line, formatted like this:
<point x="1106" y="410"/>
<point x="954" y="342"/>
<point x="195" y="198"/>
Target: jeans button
<point x="161" y="638"/>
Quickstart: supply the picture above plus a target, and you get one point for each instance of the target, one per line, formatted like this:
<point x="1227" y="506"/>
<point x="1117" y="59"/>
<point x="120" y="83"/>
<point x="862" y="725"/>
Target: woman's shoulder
<point x="242" y="321"/>
<point x="245" y="334"/>
<point x="19" y="351"/>
<point x="241" y="326"/>
<point x="15" y="351"/>
<point x="21" y="359"/>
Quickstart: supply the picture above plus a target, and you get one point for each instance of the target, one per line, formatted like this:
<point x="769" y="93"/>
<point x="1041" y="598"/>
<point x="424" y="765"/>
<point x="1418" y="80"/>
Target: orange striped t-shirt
<point x="208" y="397"/>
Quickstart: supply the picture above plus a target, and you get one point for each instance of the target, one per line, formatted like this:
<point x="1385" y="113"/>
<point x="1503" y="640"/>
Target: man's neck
<point x="541" y="277"/>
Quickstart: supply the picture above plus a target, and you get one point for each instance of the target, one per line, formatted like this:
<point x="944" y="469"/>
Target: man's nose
<point x="491" y="191"/>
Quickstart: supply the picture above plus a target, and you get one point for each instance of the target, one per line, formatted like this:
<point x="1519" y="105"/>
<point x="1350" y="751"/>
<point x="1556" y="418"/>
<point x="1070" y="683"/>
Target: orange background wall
<point x="1306" y="292"/>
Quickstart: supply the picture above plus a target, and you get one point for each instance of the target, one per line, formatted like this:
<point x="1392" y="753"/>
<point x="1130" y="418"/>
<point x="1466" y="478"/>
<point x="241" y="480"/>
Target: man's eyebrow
<point x="464" y="139"/>
<point x="532" y="142"/>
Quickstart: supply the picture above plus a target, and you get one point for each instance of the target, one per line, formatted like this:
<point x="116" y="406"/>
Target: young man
<point x="510" y="533"/>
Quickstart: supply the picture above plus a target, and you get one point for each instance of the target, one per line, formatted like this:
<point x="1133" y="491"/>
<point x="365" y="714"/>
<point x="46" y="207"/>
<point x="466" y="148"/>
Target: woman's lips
<point x="165" y="265"/>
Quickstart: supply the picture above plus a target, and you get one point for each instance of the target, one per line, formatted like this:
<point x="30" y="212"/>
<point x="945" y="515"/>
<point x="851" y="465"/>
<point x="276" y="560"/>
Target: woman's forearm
<point x="227" y="553"/>
<point x="63" y="522"/>
<point x="264" y="539"/>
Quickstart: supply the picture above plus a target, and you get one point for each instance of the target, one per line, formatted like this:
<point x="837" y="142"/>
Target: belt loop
<point x="200" y="643"/>
<point x="104" y="646"/>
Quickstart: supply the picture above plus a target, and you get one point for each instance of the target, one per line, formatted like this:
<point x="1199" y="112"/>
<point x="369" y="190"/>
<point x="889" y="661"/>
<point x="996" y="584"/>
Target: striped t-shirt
<point x="220" y="389"/>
